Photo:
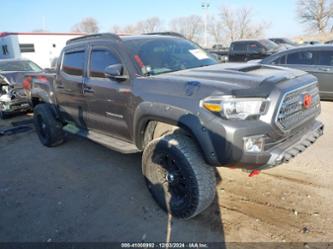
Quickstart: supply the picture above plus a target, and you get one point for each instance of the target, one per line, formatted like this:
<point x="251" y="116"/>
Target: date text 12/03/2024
<point x="164" y="245"/>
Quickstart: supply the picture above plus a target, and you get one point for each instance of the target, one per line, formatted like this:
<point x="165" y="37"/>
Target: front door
<point x="108" y="100"/>
<point x="254" y="51"/>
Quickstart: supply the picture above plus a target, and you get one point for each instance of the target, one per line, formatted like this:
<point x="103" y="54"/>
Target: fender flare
<point x="42" y="94"/>
<point x="184" y="119"/>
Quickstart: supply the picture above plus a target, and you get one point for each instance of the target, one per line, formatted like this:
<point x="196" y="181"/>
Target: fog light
<point x="254" y="144"/>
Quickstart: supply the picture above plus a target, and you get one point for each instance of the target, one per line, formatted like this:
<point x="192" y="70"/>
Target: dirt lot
<point x="82" y="191"/>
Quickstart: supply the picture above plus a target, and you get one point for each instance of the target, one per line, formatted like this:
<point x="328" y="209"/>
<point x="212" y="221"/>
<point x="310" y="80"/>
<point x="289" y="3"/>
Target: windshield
<point x="269" y="44"/>
<point x="164" y="55"/>
<point x="19" y="66"/>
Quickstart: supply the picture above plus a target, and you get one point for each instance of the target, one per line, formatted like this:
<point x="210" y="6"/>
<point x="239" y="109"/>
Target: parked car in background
<point x="12" y="95"/>
<point x="220" y="51"/>
<point x="284" y="42"/>
<point x="317" y="60"/>
<point x="311" y="43"/>
<point x="246" y="50"/>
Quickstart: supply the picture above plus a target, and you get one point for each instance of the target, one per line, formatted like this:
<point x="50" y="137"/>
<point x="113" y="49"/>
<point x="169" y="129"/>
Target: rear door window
<point x="302" y="58"/>
<point x="239" y="47"/>
<point x="253" y="47"/>
<point x="73" y="63"/>
<point x="325" y="58"/>
<point x="101" y="59"/>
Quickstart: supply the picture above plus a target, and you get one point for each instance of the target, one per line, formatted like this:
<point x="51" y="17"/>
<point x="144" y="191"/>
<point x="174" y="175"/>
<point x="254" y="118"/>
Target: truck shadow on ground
<point x="84" y="192"/>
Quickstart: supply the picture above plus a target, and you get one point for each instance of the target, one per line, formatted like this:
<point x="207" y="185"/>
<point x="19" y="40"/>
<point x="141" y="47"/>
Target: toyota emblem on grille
<point x="307" y="101"/>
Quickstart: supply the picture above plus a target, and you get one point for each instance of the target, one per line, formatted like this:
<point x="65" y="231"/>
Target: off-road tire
<point x="197" y="179"/>
<point x="48" y="128"/>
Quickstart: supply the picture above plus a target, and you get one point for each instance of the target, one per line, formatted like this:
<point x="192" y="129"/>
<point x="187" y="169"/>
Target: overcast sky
<point x="61" y="15"/>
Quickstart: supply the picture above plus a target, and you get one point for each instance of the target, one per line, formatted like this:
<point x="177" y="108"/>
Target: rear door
<point x="324" y="72"/>
<point x="317" y="62"/>
<point x="108" y="100"/>
<point x="68" y="84"/>
<point x="238" y="52"/>
<point x="254" y="51"/>
<point x="303" y="60"/>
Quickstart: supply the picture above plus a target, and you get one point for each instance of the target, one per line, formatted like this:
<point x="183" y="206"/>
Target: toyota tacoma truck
<point x="163" y="95"/>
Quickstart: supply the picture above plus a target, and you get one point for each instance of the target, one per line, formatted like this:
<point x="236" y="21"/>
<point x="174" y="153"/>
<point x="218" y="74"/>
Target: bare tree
<point x="228" y="21"/>
<point x="129" y="29"/>
<point x="116" y="29"/>
<point x="216" y="30"/>
<point x="238" y="24"/>
<point x="191" y="27"/>
<point x="87" y="25"/>
<point x="315" y="13"/>
<point x="149" y="25"/>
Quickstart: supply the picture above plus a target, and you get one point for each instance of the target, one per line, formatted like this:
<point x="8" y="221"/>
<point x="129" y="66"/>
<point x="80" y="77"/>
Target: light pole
<point x="205" y="6"/>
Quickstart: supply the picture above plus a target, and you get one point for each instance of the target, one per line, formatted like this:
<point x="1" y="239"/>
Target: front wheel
<point x="176" y="175"/>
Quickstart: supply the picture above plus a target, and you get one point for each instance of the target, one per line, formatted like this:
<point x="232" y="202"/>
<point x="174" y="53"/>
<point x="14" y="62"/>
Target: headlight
<point x="236" y="108"/>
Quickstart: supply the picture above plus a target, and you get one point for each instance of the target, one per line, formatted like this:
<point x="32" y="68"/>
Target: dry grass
<point x="323" y="37"/>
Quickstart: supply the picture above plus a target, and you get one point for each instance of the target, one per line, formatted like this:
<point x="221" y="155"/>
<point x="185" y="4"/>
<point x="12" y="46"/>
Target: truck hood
<point x="241" y="78"/>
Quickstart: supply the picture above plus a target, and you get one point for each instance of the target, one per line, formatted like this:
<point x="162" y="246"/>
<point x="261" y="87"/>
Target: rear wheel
<point x="48" y="128"/>
<point x="176" y="175"/>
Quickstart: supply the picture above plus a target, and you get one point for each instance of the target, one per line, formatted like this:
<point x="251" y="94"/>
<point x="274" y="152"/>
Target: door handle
<point x="87" y="89"/>
<point x="60" y="87"/>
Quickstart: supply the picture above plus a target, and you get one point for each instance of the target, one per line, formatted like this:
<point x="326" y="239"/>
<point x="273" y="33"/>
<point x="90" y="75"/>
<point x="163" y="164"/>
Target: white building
<point x="41" y="48"/>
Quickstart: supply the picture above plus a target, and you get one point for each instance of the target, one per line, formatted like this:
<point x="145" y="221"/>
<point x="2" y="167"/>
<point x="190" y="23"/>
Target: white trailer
<point x="41" y="48"/>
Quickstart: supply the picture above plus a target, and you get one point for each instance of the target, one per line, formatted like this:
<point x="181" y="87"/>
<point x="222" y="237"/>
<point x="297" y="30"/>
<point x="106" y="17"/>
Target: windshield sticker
<point x="199" y="54"/>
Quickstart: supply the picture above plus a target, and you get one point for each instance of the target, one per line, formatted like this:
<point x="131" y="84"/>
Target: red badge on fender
<point x="307" y="101"/>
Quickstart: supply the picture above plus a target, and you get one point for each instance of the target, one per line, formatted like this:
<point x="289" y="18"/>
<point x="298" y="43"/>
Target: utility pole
<point x="205" y="6"/>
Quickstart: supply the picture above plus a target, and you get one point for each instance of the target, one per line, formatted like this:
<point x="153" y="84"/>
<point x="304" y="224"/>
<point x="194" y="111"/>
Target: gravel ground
<point x="82" y="191"/>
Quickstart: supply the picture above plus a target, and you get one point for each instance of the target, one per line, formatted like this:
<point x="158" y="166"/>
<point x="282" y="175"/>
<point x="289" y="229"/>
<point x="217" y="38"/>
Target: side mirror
<point x="115" y="72"/>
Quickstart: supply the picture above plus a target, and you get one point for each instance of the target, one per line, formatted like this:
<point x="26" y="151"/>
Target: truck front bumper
<point x="284" y="151"/>
<point x="296" y="145"/>
<point x="225" y="145"/>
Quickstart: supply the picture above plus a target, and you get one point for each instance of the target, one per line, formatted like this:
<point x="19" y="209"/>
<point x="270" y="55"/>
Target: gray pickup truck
<point x="166" y="97"/>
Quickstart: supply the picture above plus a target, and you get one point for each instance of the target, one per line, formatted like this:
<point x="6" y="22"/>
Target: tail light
<point x="42" y="79"/>
<point x="27" y="83"/>
<point x="28" y="80"/>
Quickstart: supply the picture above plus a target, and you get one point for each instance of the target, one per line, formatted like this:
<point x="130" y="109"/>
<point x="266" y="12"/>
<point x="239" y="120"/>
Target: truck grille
<point x="293" y="110"/>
